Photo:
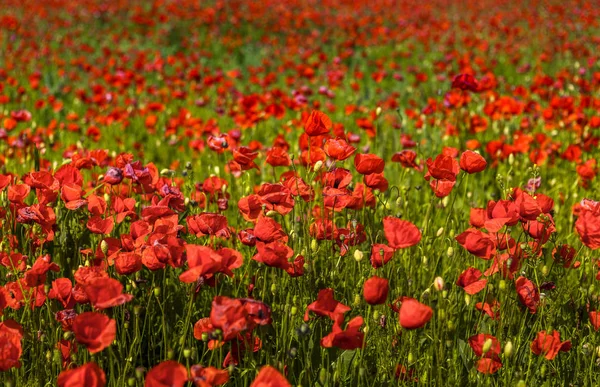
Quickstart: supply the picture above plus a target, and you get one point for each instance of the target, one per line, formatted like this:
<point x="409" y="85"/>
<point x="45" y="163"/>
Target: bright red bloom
<point x="381" y="254"/>
<point x="168" y="373"/>
<point x="270" y="377"/>
<point x="94" y="330"/>
<point x="349" y="339"/>
<point x="367" y="164"/>
<point x="375" y="290"/>
<point x="465" y="82"/>
<point x="105" y="292"/>
<point x="208" y="376"/>
<point x="326" y="305"/>
<point x="472" y="162"/>
<point x="88" y="374"/>
<point x="489" y="363"/>
<point x="338" y="149"/>
<point x="400" y="233"/>
<point x="594" y="319"/>
<point x="470" y="281"/>
<point x="477" y="243"/>
<point x="208" y="224"/>
<point x="442" y="168"/>
<point x="317" y="124"/>
<point x="528" y="293"/>
<point x="549" y="345"/>
<point x="234" y="316"/>
<point x="588" y="228"/>
<point x="11" y="333"/>
<point x="413" y="314"/>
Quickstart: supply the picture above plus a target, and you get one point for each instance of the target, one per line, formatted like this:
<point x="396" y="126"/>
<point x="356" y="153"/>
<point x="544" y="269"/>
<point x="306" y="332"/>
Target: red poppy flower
<point x="317" y="124"/>
<point x="94" y="330"/>
<point x="234" y="316"/>
<point x="338" y="149"/>
<point x="472" y="162"/>
<point x="407" y="158"/>
<point x="528" y="293"/>
<point x="202" y="261"/>
<point x="244" y="157"/>
<point x="444" y="167"/>
<point x="400" y="233"/>
<point x="97" y="225"/>
<point x="278" y="157"/>
<point x="381" y="254"/>
<point x="413" y="314"/>
<point x="128" y="263"/>
<point x="489" y="363"/>
<point x="11" y="333"/>
<point x="588" y="228"/>
<point x="168" y="373"/>
<point x="594" y="319"/>
<point x="367" y="164"/>
<point x="326" y="305"/>
<point x="62" y="290"/>
<point x="208" y="376"/>
<point x="470" y="281"/>
<point x="88" y="374"/>
<point x="465" y="82"/>
<point x="549" y="345"/>
<point x="105" y="292"/>
<point x="208" y="224"/>
<point x="375" y="290"/>
<point x="349" y="339"/>
<point x="492" y="310"/>
<point x="270" y="377"/>
<point x="477" y="243"/>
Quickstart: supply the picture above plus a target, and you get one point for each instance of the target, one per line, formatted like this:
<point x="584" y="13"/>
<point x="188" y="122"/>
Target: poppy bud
<point x="375" y="315"/>
<point x="131" y="382"/>
<point x="156" y="291"/>
<point x="323" y="376"/>
<point x="450" y="251"/>
<point x="378" y="111"/>
<point x="487" y="345"/>
<point x="126" y="325"/>
<point x="187" y="353"/>
<point x="48" y="356"/>
<point x="502" y="285"/>
<point x="358" y="255"/>
<point x="294" y="311"/>
<point x="356" y="300"/>
<point x="521" y="383"/>
<point x="271" y="213"/>
<point x="139" y="373"/>
<point x="313" y="245"/>
<point x="104" y="247"/>
<point x="318" y="166"/>
<point x="273" y="288"/>
<point x="411" y="358"/>
<point x="439" y="232"/>
<point x="545" y="270"/>
<point x="508" y="349"/>
<point x="438" y="284"/>
<point x="170" y="354"/>
<point x="467" y="299"/>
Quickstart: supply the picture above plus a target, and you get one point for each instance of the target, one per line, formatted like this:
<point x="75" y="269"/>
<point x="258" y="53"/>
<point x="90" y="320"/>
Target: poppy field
<point x="299" y="193"/>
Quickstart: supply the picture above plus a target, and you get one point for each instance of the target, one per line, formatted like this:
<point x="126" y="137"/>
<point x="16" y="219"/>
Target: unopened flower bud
<point x="438" y="284"/>
<point x="104" y="247"/>
<point x="508" y="349"/>
<point x="487" y="345"/>
<point x="318" y="166"/>
<point x="358" y="255"/>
